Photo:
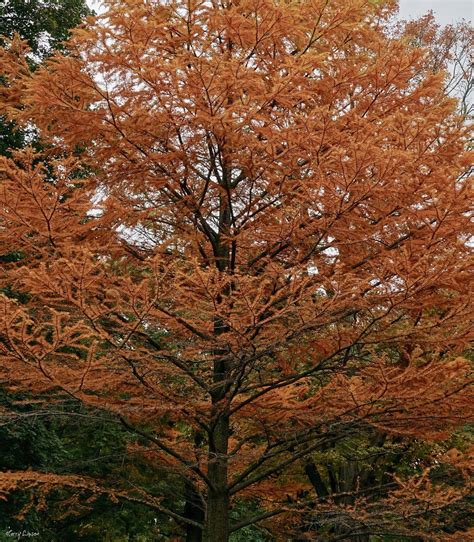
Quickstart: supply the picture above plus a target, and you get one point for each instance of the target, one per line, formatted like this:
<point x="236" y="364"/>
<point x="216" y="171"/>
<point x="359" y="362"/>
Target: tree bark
<point x="315" y="478"/>
<point x="193" y="509"/>
<point x="217" y="517"/>
<point x="218" y="498"/>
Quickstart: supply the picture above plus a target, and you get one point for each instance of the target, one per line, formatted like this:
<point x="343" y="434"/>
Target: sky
<point x="446" y="11"/>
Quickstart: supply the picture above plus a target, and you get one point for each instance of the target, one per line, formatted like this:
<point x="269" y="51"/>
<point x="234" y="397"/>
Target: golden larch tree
<point x="246" y="238"/>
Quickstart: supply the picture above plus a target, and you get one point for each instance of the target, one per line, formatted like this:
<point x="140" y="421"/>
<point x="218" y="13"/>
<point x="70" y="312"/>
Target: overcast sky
<point x="446" y="11"/>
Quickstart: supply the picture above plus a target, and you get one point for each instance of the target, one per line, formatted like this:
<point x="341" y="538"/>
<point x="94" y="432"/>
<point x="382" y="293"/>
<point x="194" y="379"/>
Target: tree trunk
<point x="217" y="517"/>
<point x="315" y="478"/>
<point x="217" y="513"/>
<point x="193" y="509"/>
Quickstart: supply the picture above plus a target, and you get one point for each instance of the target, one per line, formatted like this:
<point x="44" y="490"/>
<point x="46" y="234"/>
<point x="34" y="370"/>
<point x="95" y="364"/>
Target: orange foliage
<point x="249" y="225"/>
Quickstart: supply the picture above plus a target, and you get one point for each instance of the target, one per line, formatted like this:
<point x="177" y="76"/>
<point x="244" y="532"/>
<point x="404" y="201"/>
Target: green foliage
<point x="10" y="138"/>
<point x="44" y="24"/>
<point x="251" y="533"/>
<point x="70" y="439"/>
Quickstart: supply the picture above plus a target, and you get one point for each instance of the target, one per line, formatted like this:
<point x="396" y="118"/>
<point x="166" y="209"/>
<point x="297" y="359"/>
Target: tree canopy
<point x="247" y="243"/>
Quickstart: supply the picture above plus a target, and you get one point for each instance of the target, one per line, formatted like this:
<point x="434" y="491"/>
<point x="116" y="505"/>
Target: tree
<point x="449" y="48"/>
<point x="249" y="244"/>
<point x="44" y="25"/>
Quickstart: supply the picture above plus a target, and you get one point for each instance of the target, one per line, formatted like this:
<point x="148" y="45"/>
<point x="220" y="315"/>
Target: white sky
<point x="446" y="11"/>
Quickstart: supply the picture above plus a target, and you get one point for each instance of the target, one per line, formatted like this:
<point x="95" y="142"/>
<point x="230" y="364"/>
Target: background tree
<point x="449" y="49"/>
<point x="44" y="25"/>
<point x="260" y="252"/>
